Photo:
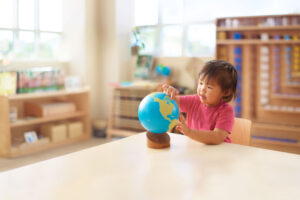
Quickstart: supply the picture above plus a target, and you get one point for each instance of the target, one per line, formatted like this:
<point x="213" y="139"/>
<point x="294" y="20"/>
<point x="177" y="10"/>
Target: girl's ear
<point x="227" y="93"/>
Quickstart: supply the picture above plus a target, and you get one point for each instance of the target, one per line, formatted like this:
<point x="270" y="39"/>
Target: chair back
<point x="241" y="131"/>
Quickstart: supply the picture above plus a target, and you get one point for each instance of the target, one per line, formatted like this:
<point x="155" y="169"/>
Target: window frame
<point x="185" y="26"/>
<point x="37" y="32"/>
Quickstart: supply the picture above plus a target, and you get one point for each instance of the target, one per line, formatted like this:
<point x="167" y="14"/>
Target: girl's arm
<point x="217" y="136"/>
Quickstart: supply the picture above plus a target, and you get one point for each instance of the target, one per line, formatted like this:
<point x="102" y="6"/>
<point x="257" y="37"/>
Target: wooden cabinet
<point x="123" y="118"/>
<point x="266" y="53"/>
<point x="12" y="142"/>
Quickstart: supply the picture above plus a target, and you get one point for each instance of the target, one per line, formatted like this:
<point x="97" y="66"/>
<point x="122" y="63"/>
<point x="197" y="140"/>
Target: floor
<point x="11" y="163"/>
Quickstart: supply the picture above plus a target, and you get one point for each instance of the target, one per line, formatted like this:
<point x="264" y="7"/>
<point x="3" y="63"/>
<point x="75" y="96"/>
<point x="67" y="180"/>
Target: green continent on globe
<point x="165" y="107"/>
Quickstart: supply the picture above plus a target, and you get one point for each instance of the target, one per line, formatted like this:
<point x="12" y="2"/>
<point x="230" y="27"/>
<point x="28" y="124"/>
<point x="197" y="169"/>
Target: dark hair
<point x="224" y="73"/>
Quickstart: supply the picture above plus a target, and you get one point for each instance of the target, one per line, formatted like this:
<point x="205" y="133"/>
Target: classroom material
<point x="264" y="50"/>
<point x="163" y="70"/>
<point x="143" y="67"/>
<point x="56" y="132"/>
<point x="158" y="113"/>
<point x="74" y="129"/>
<point x="40" y="79"/>
<point x="30" y="136"/>
<point x="8" y="82"/>
<point x="38" y="109"/>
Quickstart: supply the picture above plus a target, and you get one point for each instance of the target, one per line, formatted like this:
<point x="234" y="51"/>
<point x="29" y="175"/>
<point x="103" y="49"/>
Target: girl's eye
<point x="209" y="87"/>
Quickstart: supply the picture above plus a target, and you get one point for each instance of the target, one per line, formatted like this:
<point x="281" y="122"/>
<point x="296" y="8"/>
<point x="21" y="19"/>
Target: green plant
<point x="137" y="38"/>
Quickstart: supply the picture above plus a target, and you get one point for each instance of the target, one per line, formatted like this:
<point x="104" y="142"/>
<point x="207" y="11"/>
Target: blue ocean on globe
<point x="158" y="113"/>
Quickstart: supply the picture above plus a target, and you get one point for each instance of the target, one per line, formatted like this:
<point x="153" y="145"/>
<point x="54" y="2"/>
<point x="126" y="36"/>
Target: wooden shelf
<point x="292" y="85"/>
<point x="278" y="127"/>
<point x="46" y="119"/>
<point x="257" y="141"/>
<point x="278" y="118"/>
<point x="286" y="96"/>
<point x="296" y="74"/>
<point x="15" y="152"/>
<point x="258" y="28"/>
<point x="257" y="41"/>
<point x="128" y="124"/>
<point x="14" y="131"/>
<point x="47" y="94"/>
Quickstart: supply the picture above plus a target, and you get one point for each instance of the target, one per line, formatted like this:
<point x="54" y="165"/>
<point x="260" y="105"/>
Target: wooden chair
<point x="241" y="131"/>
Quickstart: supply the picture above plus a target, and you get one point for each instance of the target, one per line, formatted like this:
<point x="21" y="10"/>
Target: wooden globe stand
<point x="158" y="141"/>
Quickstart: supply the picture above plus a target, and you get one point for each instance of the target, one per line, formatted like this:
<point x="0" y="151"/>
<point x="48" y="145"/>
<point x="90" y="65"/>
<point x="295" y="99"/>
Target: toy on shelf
<point x="40" y="79"/>
<point x="163" y="70"/>
<point x="161" y="73"/>
<point x="238" y="66"/>
<point x="143" y="67"/>
<point x="276" y="75"/>
<point x="8" y="80"/>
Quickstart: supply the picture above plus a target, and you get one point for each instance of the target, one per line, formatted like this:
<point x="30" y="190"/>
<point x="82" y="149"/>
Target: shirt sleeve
<point x="185" y="102"/>
<point x="225" y="119"/>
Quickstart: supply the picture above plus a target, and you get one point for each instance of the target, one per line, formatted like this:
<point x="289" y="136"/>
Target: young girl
<point x="209" y="116"/>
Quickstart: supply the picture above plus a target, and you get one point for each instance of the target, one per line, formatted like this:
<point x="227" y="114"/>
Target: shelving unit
<point x="266" y="53"/>
<point x="12" y="130"/>
<point x="123" y="119"/>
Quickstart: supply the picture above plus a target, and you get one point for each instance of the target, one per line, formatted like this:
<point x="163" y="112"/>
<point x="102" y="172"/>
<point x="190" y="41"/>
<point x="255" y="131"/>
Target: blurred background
<point x="93" y="38"/>
<point x="105" y="44"/>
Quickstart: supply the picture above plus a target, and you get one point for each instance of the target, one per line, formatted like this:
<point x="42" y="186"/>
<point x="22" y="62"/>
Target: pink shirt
<point x="202" y="117"/>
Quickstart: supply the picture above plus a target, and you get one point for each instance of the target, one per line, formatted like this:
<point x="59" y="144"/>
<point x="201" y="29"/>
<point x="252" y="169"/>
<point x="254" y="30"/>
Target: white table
<point x="127" y="169"/>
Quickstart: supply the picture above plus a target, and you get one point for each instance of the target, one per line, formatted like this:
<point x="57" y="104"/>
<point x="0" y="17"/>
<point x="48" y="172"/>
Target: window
<point x="186" y="27"/>
<point x="30" y="29"/>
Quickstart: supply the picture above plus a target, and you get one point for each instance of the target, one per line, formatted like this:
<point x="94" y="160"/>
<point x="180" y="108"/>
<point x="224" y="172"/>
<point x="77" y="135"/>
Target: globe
<point x="158" y="113"/>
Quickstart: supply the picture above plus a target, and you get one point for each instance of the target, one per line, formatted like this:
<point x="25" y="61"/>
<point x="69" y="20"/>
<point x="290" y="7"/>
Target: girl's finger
<point x="181" y="118"/>
<point x="173" y="95"/>
<point x="179" y="128"/>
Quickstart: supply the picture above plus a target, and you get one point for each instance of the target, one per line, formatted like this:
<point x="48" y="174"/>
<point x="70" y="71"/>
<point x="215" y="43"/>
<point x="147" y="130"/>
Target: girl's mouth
<point x="202" y="97"/>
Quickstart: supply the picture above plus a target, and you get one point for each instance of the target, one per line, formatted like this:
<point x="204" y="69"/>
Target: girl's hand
<point x="181" y="126"/>
<point x="169" y="90"/>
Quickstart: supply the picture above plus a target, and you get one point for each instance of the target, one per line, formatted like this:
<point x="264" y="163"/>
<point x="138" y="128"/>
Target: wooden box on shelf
<point x="11" y="130"/>
<point x="48" y="109"/>
<point x="74" y="129"/>
<point x="56" y="132"/>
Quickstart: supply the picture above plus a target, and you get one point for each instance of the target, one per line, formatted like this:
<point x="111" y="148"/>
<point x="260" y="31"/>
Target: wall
<point x="108" y="26"/>
<point x="180" y="69"/>
<point x="99" y="45"/>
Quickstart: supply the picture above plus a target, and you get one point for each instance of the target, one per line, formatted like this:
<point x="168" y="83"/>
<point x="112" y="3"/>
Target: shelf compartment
<point x="257" y="28"/>
<point x="39" y="95"/>
<point x="15" y="151"/>
<point x="36" y="121"/>
<point x="286" y="96"/>
<point x="257" y="41"/>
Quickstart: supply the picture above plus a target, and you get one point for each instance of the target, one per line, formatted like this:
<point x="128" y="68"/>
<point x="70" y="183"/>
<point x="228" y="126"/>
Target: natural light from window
<point x="186" y="27"/>
<point x="30" y="29"/>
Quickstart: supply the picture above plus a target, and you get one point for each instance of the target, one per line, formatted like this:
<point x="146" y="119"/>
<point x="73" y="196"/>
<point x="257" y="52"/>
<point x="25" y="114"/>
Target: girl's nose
<point x="202" y="88"/>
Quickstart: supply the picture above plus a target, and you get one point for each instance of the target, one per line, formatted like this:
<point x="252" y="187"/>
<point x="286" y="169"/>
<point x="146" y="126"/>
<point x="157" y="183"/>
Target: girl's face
<point x="209" y="92"/>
